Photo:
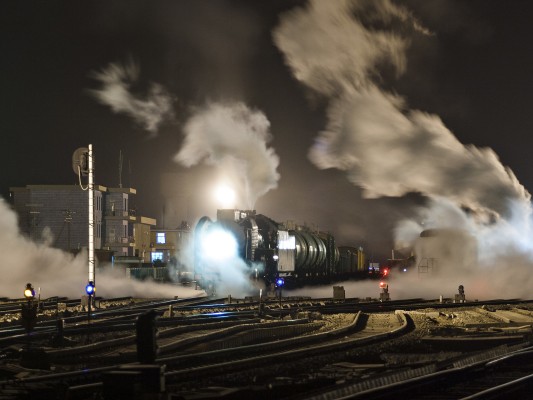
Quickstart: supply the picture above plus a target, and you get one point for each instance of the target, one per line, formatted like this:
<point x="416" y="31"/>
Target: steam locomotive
<point x="273" y="250"/>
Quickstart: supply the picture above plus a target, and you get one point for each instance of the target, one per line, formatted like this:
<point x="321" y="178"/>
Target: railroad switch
<point x="146" y="329"/>
<point x="460" y="297"/>
<point x="59" y="338"/>
<point x="339" y="293"/>
<point x="384" y="295"/>
<point x="29" y="316"/>
<point x="261" y="309"/>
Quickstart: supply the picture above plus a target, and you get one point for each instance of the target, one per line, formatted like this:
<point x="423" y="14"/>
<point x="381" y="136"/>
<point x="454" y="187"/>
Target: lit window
<point x="160" y="238"/>
<point x="157" y="255"/>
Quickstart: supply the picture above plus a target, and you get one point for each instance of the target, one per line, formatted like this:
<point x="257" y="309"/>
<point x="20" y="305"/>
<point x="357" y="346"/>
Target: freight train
<point x="273" y="250"/>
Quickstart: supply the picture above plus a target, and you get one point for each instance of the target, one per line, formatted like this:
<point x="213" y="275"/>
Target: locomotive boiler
<point x="271" y="250"/>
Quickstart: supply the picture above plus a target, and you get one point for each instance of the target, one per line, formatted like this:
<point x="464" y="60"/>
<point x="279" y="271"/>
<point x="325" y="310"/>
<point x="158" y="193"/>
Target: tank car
<point x="271" y="250"/>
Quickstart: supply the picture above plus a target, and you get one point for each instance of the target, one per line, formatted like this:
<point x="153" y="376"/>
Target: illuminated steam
<point x="233" y="138"/>
<point x="61" y="274"/>
<point x="421" y="154"/>
<point x="329" y="51"/>
<point x="383" y="146"/>
<point x="116" y="92"/>
<point x="338" y="50"/>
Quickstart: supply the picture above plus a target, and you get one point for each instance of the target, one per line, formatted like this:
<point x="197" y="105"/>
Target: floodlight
<point x="225" y="196"/>
<point x="29" y="292"/>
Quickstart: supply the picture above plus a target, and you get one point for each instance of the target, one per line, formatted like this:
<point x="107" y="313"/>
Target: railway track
<point x="252" y="352"/>
<point x="496" y="374"/>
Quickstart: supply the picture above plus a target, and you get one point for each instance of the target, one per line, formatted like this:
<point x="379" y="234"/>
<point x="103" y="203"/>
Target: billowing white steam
<point x="330" y="51"/>
<point x="116" y="92"/>
<point x="60" y="274"/>
<point x="233" y="138"/>
<point x="337" y="49"/>
<point x="385" y="148"/>
<point x="389" y="152"/>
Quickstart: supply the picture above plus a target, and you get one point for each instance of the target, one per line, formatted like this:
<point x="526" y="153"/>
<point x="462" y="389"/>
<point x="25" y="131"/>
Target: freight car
<point x="272" y="250"/>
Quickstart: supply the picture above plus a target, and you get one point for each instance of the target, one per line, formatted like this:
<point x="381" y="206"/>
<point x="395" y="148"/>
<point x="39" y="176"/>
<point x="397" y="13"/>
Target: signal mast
<point x="83" y="164"/>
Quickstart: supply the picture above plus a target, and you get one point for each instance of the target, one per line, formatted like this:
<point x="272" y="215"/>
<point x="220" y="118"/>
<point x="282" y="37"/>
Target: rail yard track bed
<point x="302" y="350"/>
<point x="468" y="343"/>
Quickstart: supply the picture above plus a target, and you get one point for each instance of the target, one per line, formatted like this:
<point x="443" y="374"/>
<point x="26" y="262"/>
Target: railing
<point x="158" y="274"/>
<point x="117" y="213"/>
<point x="113" y="241"/>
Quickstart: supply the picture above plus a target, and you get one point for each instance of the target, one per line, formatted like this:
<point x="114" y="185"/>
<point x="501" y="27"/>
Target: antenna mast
<point x="120" y="169"/>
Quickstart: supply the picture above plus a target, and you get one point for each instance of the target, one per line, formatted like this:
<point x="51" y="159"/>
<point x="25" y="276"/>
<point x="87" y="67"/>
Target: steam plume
<point x="329" y="50"/>
<point x="384" y="147"/>
<point x="61" y="274"/>
<point x="390" y="153"/>
<point x="337" y="49"/>
<point x="234" y="138"/>
<point x="116" y="92"/>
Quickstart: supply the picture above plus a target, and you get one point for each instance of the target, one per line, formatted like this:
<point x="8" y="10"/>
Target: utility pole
<point x="120" y="169"/>
<point x="91" y="214"/>
<point x="83" y="164"/>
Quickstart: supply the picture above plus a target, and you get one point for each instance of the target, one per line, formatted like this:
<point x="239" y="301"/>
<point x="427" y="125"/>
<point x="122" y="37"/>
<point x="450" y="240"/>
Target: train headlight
<point x="219" y="244"/>
<point x="29" y="292"/>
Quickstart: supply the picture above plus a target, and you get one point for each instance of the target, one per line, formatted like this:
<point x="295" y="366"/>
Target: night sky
<point x="470" y="64"/>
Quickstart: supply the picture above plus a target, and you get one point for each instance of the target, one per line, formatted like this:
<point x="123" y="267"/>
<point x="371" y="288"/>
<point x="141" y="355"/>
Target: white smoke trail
<point x="328" y="50"/>
<point x="116" y="92"/>
<point x="337" y="49"/>
<point x="390" y="153"/>
<point x="61" y="274"/>
<point x="386" y="149"/>
<point x="233" y="138"/>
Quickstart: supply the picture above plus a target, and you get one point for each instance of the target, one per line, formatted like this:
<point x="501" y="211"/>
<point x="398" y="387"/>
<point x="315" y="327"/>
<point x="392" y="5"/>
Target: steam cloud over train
<point x="272" y="250"/>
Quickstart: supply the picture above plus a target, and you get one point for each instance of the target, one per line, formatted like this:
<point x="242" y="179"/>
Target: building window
<point x="157" y="255"/>
<point x="160" y="238"/>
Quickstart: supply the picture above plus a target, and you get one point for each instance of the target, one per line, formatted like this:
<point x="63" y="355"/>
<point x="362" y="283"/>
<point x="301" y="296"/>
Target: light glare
<point x="225" y="196"/>
<point x="219" y="245"/>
